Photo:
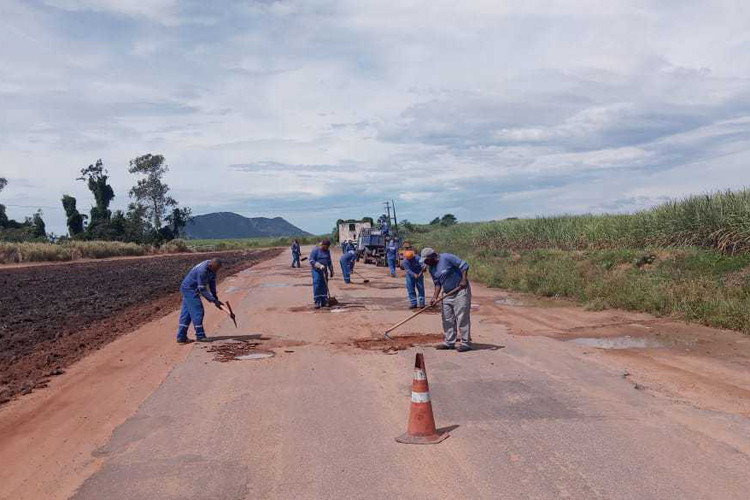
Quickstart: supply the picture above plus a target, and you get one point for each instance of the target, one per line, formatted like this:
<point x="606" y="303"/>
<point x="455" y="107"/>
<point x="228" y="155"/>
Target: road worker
<point x="391" y="253"/>
<point x="451" y="275"/>
<point x="322" y="269"/>
<point x="414" y="268"/>
<point x="201" y="280"/>
<point x="296" y="252"/>
<point x="347" y="265"/>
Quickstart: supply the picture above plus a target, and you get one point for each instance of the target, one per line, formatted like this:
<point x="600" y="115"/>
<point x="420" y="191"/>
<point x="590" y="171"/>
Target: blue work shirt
<point x="448" y="272"/>
<point x="392" y="249"/>
<point x="348" y="247"/>
<point x="202" y="280"/>
<point x="322" y="256"/>
<point x="412" y="267"/>
<point x="348" y="258"/>
<point x="296" y="249"/>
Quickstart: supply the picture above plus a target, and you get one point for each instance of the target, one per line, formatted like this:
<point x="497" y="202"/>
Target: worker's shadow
<point x="256" y="336"/>
<point x="485" y="347"/>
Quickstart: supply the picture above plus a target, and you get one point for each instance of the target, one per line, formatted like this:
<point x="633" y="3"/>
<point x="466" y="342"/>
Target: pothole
<point x="231" y="349"/>
<point x="256" y="355"/>
<point x="625" y="342"/>
<point x="399" y="342"/>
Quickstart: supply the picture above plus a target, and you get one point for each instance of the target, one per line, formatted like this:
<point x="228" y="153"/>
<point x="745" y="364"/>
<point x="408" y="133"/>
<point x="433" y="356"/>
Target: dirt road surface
<point x="556" y="402"/>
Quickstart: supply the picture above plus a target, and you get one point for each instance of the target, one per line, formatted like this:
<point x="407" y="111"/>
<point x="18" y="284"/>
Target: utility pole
<point x="388" y="211"/>
<point x="395" y="219"/>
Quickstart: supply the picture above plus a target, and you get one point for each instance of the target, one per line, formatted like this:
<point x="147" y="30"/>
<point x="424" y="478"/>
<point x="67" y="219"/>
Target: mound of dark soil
<point x="51" y="316"/>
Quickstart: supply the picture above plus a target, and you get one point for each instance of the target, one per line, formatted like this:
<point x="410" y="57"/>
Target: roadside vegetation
<point x="68" y="250"/>
<point x="688" y="259"/>
<point x="249" y="243"/>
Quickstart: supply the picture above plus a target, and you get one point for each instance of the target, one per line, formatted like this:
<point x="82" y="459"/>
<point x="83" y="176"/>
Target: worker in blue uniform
<point x="296" y="252"/>
<point x="414" y="269"/>
<point x="322" y="267"/>
<point x="347" y="265"/>
<point x="450" y="274"/>
<point x="200" y="281"/>
<point x="391" y="253"/>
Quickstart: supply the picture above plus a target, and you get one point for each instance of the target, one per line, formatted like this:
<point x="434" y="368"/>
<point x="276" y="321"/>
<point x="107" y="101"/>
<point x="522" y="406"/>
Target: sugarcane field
<point x="328" y="249"/>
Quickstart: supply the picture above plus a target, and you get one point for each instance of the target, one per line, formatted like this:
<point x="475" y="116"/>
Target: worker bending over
<point x="414" y="268"/>
<point x="451" y="275"/>
<point x="391" y="253"/>
<point x="321" y="263"/>
<point x="201" y="280"/>
<point x="296" y="252"/>
<point x="347" y="264"/>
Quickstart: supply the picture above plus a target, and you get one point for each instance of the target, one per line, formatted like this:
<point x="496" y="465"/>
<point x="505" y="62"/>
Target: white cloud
<point x="163" y="11"/>
<point x="479" y="108"/>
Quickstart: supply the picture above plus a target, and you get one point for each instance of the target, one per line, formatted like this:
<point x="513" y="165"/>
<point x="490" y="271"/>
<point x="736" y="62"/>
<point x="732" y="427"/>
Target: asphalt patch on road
<point x="399" y="343"/>
<point x="230" y="350"/>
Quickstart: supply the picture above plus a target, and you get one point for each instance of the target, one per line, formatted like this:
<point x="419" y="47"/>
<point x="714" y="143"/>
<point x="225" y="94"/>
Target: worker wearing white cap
<point x="451" y="276"/>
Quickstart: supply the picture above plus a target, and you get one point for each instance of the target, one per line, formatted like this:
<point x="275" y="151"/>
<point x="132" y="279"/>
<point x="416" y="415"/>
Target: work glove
<point x="319" y="266"/>
<point x="218" y="303"/>
<point x="331" y="273"/>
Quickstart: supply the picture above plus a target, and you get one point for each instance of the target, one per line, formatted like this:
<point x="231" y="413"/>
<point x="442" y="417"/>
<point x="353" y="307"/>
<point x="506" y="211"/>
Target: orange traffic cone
<point x="421" y="429"/>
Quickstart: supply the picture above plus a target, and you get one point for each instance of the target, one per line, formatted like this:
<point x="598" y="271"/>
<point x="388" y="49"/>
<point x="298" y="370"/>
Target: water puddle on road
<point x="507" y="301"/>
<point x="256" y="355"/>
<point x="626" y="342"/>
<point x="273" y="285"/>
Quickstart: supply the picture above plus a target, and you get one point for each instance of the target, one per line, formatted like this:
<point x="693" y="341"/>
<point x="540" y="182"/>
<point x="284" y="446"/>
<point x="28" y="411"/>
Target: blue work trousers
<point x="320" y="288"/>
<point x="346" y="271"/>
<point x="414" y="286"/>
<point x="392" y="262"/>
<point x="295" y="260"/>
<point x="192" y="311"/>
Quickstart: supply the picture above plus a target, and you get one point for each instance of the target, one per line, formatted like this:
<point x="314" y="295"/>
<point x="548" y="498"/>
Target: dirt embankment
<point x="51" y="316"/>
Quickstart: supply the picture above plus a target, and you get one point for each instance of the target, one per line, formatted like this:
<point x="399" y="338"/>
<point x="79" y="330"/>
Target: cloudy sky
<point x="319" y="109"/>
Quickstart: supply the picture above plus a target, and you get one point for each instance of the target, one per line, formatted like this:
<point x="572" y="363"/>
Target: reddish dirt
<point x="51" y="316"/>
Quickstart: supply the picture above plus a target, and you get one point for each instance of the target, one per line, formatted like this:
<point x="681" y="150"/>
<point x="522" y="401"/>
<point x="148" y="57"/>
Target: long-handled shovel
<point x="332" y="301"/>
<point x="230" y="312"/>
<point x="438" y="301"/>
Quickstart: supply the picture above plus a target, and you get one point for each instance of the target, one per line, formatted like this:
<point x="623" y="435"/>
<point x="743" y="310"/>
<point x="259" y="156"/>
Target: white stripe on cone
<point x="420" y="397"/>
<point x="420" y="375"/>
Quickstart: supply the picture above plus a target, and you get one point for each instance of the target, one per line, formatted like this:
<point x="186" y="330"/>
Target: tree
<point x="39" y="228"/>
<point x="368" y="219"/>
<point x="75" y="219"/>
<point x="435" y="221"/>
<point x="3" y="216"/>
<point x="96" y="178"/>
<point x="178" y="219"/>
<point x="151" y="191"/>
<point x="448" y="220"/>
<point x="408" y="226"/>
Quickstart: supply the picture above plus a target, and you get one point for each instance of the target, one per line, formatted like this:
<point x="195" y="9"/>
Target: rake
<point x="438" y="301"/>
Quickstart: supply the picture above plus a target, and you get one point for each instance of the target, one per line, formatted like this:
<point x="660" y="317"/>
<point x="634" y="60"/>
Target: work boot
<point x="184" y="341"/>
<point x="413" y="306"/>
<point x="444" y="347"/>
<point x="203" y="339"/>
<point x="317" y="306"/>
<point x="464" y="348"/>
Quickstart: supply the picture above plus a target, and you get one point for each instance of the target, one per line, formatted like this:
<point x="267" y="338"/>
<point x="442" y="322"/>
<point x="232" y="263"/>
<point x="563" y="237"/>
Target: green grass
<point x="14" y="253"/>
<point x="687" y="259"/>
<point x="248" y="243"/>
<point x="720" y="221"/>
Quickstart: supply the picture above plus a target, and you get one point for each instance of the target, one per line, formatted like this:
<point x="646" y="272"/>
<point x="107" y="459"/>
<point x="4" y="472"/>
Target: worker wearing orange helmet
<point x="414" y="268"/>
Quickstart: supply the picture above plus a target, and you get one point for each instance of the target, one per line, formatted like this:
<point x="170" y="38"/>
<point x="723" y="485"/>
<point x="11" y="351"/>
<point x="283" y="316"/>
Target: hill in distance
<point x="228" y="225"/>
